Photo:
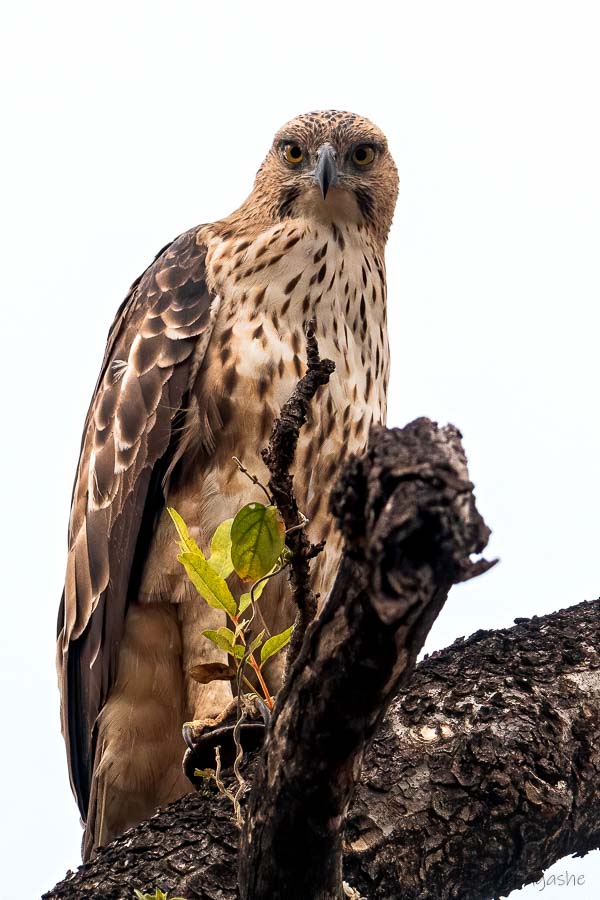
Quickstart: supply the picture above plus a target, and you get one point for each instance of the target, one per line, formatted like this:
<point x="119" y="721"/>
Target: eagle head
<point x="330" y="165"/>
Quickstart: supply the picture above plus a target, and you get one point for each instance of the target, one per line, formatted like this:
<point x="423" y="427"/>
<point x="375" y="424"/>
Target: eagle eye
<point x="363" y="155"/>
<point x="293" y="154"/>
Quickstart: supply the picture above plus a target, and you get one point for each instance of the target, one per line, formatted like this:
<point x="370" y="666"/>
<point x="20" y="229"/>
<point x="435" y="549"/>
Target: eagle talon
<point x="202" y="737"/>
<point x="264" y="710"/>
<point x="187" y="732"/>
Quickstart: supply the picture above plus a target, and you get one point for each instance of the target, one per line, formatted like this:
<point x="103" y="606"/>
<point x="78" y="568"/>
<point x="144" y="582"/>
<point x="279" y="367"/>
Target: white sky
<point x="126" y="123"/>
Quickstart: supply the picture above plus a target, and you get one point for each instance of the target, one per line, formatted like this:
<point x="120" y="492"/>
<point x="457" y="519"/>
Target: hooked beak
<point x="326" y="173"/>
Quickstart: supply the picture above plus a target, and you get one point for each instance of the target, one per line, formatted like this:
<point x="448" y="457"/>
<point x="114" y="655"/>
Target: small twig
<point x="278" y="457"/>
<point x="252" y="478"/>
<point x="216" y="777"/>
<point x="242" y="713"/>
<point x="242" y="710"/>
<point x="255" y="607"/>
<point x="243" y="627"/>
<point x="302" y="524"/>
<point x="315" y="549"/>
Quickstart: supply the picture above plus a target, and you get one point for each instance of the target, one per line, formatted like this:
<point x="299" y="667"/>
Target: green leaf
<point x="257" y="641"/>
<point x="207" y="582"/>
<point x="275" y="643"/>
<point x="186" y="543"/>
<point x="220" y="549"/>
<point x="222" y="638"/>
<point x="258" y="537"/>
<point x="158" y="894"/>
<point x="245" y="601"/>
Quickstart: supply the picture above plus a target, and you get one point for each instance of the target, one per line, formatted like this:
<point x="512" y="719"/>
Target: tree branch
<point x="486" y="770"/>
<point x="482" y="774"/>
<point x="279" y="457"/>
<point x="408" y="516"/>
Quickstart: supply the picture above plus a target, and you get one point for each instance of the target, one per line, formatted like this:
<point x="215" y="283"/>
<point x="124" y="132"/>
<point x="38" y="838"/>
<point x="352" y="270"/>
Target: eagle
<point x="203" y="352"/>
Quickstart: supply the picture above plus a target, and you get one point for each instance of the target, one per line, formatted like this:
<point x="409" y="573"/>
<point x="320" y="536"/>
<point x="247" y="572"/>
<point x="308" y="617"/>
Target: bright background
<point x="126" y="123"/>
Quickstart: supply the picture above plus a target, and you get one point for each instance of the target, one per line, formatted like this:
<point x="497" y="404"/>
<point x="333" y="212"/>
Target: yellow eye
<point x="363" y="155"/>
<point x="293" y="154"/>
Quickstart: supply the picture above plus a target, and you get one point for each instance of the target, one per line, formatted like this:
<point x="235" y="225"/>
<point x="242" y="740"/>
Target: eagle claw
<point x="203" y="737"/>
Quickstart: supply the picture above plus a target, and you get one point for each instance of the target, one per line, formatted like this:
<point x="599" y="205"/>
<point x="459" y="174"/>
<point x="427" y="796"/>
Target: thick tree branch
<point x="408" y="516"/>
<point x="487" y="769"/>
<point x="482" y="774"/>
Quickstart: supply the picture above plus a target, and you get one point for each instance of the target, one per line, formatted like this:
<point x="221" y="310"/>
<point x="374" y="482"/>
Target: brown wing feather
<point x="154" y="347"/>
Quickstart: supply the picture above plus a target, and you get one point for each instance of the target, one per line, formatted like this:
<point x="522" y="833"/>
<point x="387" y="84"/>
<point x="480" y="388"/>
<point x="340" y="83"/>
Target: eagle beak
<point x="326" y="173"/>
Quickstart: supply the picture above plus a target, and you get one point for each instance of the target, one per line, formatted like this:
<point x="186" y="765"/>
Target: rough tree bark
<point x="482" y="774"/>
<point x="409" y="520"/>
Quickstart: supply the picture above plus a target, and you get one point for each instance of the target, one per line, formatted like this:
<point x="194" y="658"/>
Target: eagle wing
<point x="154" y="349"/>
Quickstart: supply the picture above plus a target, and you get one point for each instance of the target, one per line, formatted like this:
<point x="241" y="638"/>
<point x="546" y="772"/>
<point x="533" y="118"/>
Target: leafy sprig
<point x="157" y="895"/>
<point x="252" y="545"/>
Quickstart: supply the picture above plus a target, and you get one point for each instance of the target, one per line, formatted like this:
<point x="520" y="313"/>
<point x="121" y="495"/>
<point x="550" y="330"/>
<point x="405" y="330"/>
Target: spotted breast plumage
<point x="203" y="352"/>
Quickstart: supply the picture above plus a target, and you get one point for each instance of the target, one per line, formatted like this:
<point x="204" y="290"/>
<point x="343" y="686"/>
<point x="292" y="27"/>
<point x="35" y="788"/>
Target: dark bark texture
<point x="407" y="513"/>
<point x="487" y="769"/>
<point x="482" y="774"/>
<point x="484" y="770"/>
<point x="279" y="458"/>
